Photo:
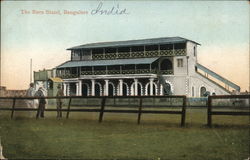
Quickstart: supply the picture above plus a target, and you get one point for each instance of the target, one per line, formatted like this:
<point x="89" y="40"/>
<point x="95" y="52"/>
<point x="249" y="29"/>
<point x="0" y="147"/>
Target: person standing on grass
<point x="59" y="101"/>
<point x="30" y="93"/>
<point x="42" y="102"/>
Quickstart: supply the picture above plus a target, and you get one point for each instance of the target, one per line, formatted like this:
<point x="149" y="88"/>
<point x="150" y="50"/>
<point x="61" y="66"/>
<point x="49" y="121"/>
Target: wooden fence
<point x="233" y="99"/>
<point x="138" y="108"/>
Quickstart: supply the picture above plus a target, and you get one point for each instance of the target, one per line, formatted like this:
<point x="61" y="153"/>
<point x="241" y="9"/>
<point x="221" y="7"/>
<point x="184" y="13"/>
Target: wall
<point x="198" y="81"/>
<point x="4" y="92"/>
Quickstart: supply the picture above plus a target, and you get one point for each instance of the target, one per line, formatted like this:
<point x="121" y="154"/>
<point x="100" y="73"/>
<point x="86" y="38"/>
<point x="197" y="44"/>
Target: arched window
<point x="166" y="64"/>
<point x="139" y="90"/>
<point x="203" y="91"/>
<point x="111" y="90"/>
<point x="84" y="90"/>
<point x="124" y="89"/>
<point x="72" y="89"/>
<point x="97" y="90"/>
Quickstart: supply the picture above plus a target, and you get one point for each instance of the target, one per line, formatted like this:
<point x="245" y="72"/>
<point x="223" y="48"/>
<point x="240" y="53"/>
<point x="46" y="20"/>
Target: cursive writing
<point x="115" y="10"/>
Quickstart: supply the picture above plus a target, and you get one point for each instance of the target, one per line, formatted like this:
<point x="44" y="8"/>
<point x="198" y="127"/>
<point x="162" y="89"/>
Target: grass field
<point x="119" y="137"/>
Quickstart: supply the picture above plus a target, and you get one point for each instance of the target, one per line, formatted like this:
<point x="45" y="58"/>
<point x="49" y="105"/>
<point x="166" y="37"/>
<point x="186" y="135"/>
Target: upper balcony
<point x="139" y="54"/>
<point x="146" y="51"/>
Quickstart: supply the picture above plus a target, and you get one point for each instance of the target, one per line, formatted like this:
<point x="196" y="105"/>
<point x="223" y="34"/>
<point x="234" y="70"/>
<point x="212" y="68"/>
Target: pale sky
<point x="221" y="27"/>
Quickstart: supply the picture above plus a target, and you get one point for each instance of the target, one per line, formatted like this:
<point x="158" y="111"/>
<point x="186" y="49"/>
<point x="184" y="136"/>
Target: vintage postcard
<point x="124" y="80"/>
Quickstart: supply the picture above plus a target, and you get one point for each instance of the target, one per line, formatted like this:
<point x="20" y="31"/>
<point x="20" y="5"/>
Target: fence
<point x="234" y="105"/>
<point x="104" y="104"/>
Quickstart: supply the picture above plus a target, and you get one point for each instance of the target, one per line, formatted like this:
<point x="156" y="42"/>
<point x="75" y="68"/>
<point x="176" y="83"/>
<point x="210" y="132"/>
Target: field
<point x="119" y="137"/>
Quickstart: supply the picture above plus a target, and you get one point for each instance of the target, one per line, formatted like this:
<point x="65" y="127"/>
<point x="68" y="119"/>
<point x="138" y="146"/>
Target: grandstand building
<point x="158" y="66"/>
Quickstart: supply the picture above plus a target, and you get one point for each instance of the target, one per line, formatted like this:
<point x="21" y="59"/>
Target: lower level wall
<point x="191" y="85"/>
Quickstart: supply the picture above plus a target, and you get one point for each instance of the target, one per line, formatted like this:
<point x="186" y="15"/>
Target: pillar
<point x="120" y="87"/>
<point x="161" y="90"/>
<point x="80" y="88"/>
<point x="77" y="89"/>
<point x="151" y="86"/>
<point x="65" y="89"/>
<point x="92" y="87"/>
<point x="68" y="89"/>
<point x="106" y="91"/>
<point x="136" y="87"/>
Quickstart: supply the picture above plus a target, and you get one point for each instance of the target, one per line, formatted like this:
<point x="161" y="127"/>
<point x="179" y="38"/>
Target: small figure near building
<point x="59" y="101"/>
<point x="42" y="102"/>
<point x="30" y="93"/>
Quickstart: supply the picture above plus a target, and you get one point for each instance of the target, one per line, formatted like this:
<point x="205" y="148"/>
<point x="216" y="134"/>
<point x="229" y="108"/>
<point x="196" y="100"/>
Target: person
<point x="59" y="101"/>
<point x="30" y="93"/>
<point x="42" y="102"/>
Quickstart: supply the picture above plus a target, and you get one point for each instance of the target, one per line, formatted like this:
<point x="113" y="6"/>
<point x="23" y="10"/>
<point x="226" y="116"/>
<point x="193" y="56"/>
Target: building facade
<point x="156" y="66"/>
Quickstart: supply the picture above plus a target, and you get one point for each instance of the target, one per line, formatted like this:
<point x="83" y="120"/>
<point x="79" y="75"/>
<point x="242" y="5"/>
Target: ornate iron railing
<point x="146" y="54"/>
<point x="110" y="72"/>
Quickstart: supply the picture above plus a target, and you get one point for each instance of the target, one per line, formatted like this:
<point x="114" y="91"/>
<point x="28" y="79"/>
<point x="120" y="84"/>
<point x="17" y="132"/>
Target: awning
<point x="107" y="62"/>
<point x="56" y="79"/>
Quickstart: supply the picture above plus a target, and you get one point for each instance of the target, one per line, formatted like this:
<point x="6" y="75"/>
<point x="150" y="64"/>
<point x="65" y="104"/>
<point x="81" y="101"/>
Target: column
<point x="68" y="89"/>
<point x="161" y="90"/>
<point x="77" y="89"/>
<point x="151" y="86"/>
<point x="64" y="89"/>
<point x="136" y="87"/>
<point x="80" y="88"/>
<point x="92" y="87"/>
<point x="106" y="91"/>
<point x="120" y="87"/>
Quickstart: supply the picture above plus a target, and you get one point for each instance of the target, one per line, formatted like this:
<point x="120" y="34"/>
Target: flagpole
<point x="30" y="70"/>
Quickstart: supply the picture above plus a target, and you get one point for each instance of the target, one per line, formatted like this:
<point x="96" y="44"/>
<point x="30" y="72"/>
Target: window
<point x="192" y="91"/>
<point x="179" y="62"/>
<point x="166" y="64"/>
<point x="194" y="51"/>
<point x="202" y="91"/>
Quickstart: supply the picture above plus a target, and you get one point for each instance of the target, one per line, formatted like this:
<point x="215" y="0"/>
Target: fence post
<point x="67" y="116"/>
<point x="183" y="114"/>
<point x="13" y="107"/>
<point x="102" y="109"/>
<point x="209" y="112"/>
<point x="139" y="112"/>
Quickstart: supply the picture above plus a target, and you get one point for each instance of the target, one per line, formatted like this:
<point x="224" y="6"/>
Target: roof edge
<point x="71" y="48"/>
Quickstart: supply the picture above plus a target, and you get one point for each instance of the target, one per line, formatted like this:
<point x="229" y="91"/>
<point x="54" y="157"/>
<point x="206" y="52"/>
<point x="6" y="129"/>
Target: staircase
<point x="216" y="76"/>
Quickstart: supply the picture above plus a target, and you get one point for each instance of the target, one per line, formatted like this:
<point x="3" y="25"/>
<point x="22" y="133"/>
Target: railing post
<point x="68" y="108"/>
<point x="183" y="114"/>
<point x="102" y="109"/>
<point x="13" y="107"/>
<point x="209" y="112"/>
<point x="139" y="112"/>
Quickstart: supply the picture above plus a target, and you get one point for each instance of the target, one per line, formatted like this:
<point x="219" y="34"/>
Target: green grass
<point x="119" y="137"/>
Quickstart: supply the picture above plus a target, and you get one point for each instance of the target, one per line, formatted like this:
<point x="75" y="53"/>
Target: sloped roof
<point x="152" y="41"/>
<point x="108" y="62"/>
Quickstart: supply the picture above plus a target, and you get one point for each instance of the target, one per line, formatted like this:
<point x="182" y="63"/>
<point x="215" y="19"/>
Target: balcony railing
<point x="112" y="72"/>
<point x="65" y="76"/>
<point x="146" y="54"/>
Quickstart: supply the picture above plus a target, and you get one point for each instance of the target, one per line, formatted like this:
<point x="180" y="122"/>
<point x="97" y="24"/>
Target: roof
<point x="56" y="79"/>
<point x="152" y="41"/>
<point x="108" y="62"/>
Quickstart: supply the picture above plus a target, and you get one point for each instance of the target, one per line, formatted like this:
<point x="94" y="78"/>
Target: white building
<point x="140" y="67"/>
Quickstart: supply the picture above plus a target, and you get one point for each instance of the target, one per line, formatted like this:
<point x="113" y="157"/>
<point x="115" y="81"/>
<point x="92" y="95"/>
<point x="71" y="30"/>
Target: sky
<point x="221" y="27"/>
